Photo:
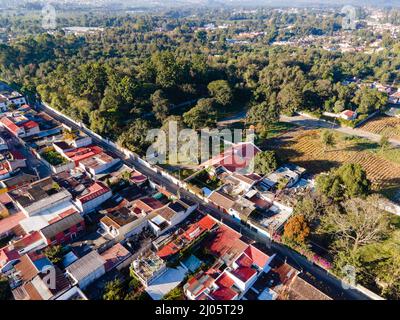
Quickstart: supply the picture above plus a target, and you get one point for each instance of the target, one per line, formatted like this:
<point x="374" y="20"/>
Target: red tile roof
<point x="138" y="177"/>
<point x="10" y="125"/>
<point x="225" y="281"/>
<point x="244" y="261"/>
<point x="7" y="255"/>
<point x="148" y="204"/>
<point x="94" y="191"/>
<point x="11" y="222"/>
<point x="224" y="294"/>
<point x="115" y="255"/>
<point x="27" y="240"/>
<point x="237" y="157"/>
<point x="259" y="258"/>
<point x="196" y="229"/>
<point x="83" y="153"/>
<point x="168" y="250"/>
<point x="29" y="124"/>
<point x="227" y="241"/>
<point x="244" y="273"/>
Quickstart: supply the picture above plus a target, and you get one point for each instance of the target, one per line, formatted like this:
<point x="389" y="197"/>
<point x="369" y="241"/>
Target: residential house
<point x="20" y="126"/>
<point x="73" y="293"/>
<point x="170" y="215"/>
<point x="98" y="163"/>
<point x="8" y="97"/>
<point x="87" y="269"/>
<point x="64" y="229"/>
<point x="93" y="197"/>
<point x="349" y="115"/>
<point x="149" y="268"/>
<point x="237" y="268"/>
<point x="237" y="158"/>
<point x="116" y="257"/>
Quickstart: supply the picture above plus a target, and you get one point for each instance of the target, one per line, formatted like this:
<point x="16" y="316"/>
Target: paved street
<point x="292" y="257"/>
<point x="311" y="123"/>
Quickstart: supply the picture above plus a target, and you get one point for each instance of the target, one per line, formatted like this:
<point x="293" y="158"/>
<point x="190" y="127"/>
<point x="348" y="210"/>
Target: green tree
<point x="202" y="115"/>
<point x="328" y="139"/>
<point x="384" y="143"/>
<point x="134" y="138"/>
<point x="161" y="105"/>
<point x="349" y="180"/>
<point x="369" y="100"/>
<point x="54" y="253"/>
<point x="114" y="290"/>
<point x="221" y="91"/>
<point x="265" y="162"/>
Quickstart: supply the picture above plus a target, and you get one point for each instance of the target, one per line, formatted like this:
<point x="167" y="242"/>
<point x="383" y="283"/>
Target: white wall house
<point x="93" y="198"/>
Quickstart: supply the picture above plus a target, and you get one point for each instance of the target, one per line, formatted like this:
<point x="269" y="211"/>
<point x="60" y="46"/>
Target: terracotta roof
<point x="115" y="255"/>
<point x="7" y="224"/>
<point x="138" y="177"/>
<point x="244" y="261"/>
<point x="147" y="204"/>
<point x="27" y="240"/>
<point x="225" y="281"/>
<point x="29" y="124"/>
<point x="26" y="268"/>
<point x="302" y="290"/>
<point x="226" y="242"/>
<point x="235" y="158"/>
<point x="94" y="191"/>
<point x="167" y="213"/>
<point x="168" y="250"/>
<point x="196" y="229"/>
<point x="10" y="124"/>
<point x="224" y="294"/>
<point x="80" y="154"/>
<point x="259" y="258"/>
<point x="244" y="273"/>
<point x="110" y="222"/>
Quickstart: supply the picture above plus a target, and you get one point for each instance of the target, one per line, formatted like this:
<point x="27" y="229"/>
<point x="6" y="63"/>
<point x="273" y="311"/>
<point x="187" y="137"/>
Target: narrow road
<point x="312" y="123"/>
<point x="292" y="257"/>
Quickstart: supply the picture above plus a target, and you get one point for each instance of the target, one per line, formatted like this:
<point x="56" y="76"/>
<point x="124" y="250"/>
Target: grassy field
<point x="384" y="125"/>
<point x="304" y="148"/>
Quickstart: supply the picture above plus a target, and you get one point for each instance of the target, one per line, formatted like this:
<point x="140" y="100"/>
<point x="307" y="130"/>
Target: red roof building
<point x="235" y="158"/>
<point x="83" y="153"/>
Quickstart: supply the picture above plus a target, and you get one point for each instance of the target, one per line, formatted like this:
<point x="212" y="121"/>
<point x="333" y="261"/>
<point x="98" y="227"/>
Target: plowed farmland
<point x="388" y="126"/>
<point x="304" y="147"/>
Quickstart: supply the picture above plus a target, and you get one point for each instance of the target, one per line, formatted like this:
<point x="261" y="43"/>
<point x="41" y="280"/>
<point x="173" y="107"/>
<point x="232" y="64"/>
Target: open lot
<point x="384" y="125"/>
<point x="304" y="148"/>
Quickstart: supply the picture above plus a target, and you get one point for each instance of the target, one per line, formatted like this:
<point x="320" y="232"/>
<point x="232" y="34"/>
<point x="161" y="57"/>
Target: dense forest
<point x="138" y="71"/>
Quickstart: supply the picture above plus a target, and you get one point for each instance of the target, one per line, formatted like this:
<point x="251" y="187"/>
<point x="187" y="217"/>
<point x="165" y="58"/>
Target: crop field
<point x="304" y="147"/>
<point x="389" y="126"/>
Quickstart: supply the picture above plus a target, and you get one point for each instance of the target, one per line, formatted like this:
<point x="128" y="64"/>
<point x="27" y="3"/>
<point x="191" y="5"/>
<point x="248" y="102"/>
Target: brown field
<point x="304" y="148"/>
<point x="388" y="126"/>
